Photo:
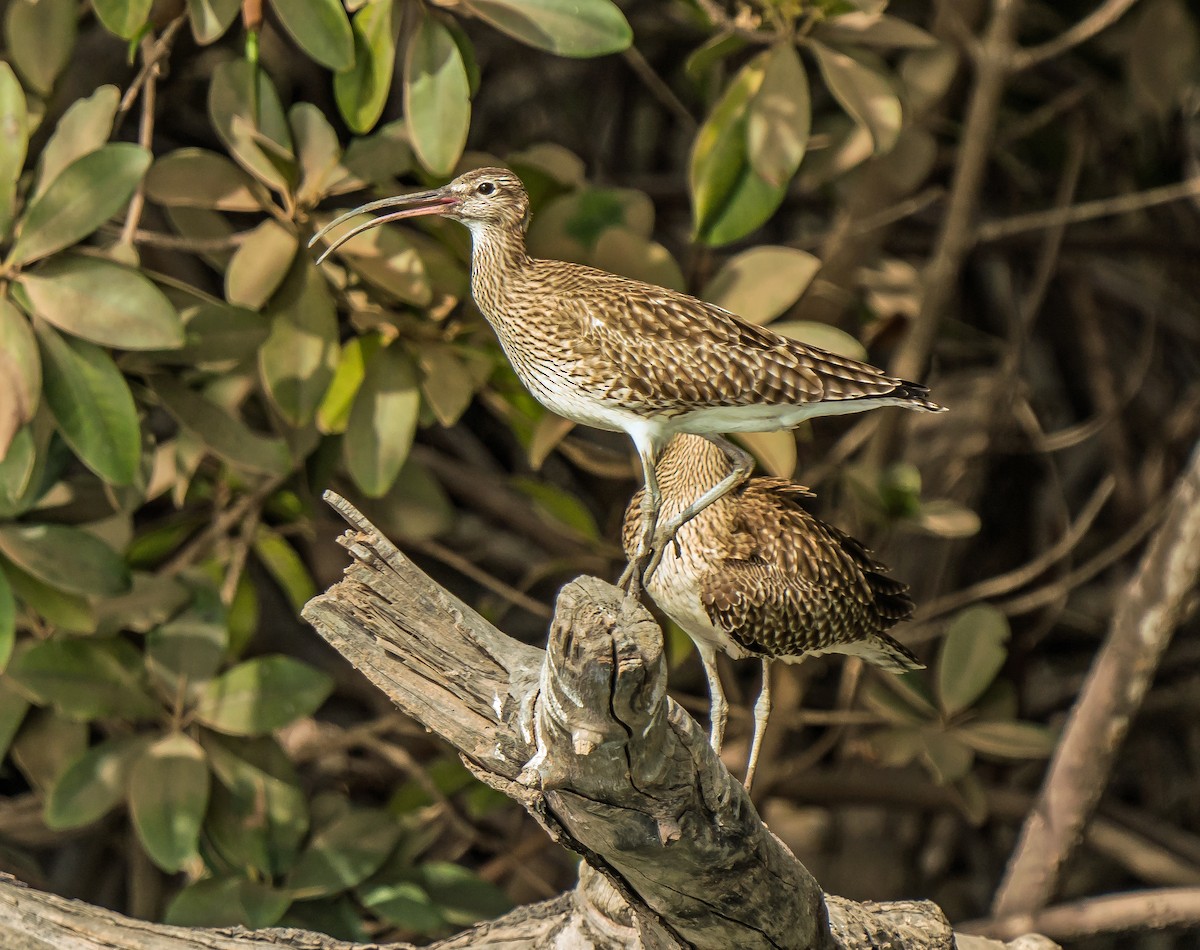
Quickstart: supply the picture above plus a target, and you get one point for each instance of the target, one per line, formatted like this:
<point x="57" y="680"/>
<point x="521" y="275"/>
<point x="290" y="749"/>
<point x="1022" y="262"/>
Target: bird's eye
<point x="486" y="188"/>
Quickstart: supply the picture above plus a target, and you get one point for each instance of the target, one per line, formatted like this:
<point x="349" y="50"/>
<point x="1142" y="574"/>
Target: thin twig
<point x="1095" y="22"/>
<point x="1112" y="913"/>
<point x="481" y="577"/>
<point x="659" y="89"/>
<point x="220" y="526"/>
<point x="151" y="59"/>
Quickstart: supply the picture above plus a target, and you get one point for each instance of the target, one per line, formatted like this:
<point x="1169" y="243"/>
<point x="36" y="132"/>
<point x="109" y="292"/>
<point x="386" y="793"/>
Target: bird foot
<point x="631" y="578"/>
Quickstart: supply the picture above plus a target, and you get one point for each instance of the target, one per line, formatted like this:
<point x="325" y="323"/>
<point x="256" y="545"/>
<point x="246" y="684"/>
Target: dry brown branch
<point x="1147" y="612"/>
<point x="1113" y="913"/>
<point x="1095" y="22"/>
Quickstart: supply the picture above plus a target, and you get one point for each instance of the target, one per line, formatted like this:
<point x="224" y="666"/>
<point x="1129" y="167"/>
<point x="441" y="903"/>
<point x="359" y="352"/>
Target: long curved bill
<point x="417" y="204"/>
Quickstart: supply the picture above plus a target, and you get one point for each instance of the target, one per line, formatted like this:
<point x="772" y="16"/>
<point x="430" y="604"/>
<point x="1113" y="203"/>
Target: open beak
<point x="415" y="205"/>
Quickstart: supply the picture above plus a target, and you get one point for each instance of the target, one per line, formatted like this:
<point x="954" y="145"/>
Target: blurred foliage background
<point x="179" y="382"/>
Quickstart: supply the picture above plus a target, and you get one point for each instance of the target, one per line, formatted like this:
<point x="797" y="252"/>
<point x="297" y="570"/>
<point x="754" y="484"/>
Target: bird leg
<point x="762" y="709"/>
<point x="718" y="708"/>
<point x="638" y="572"/>
<point x="743" y="467"/>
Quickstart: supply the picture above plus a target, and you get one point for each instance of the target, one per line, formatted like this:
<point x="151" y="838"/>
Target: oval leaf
<point x="103" y="302"/>
<point x="92" y="405"/>
<point x="85" y="127"/>
<point x="88" y="192"/>
<point x="40" y="35"/>
<point x="320" y="28"/>
<point x="383" y="421"/>
<point x="260" y="264"/>
<point x="362" y="92"/>
<point x="761" y="283"/>
<point x="344" y="853"/>
<point x="437" y="97"/>
<point x="864" y="92"/>
<point x="780" y="115"/>
<point x="823" y="336"/>
<point x="971" y="656"/>
<point x="20" y="367"/>
<point x="198" y="178"/>
<point x="246" y="113"/>
<point x="65" y="557"/>
<point x="775" y="451"/>
<point x="261" y="695"/>
<point x="93" y="784"/>
<point x="1009" y="740"/>
<point x="123" y="17"/>
<point x="565" y="27"/>
<point x="86" y="679"/>
<point x="168" y="795"/>
<point x="211" y="18"/>
<point x="15" y="123"/>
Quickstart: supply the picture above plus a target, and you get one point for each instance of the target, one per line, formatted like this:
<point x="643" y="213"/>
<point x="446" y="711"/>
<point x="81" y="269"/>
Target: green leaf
<point x="446" y="383"/>
<point x="168" y="794"/>
<point x="362" y="92"/>
<point x="383" y="421"/>
<point x="971" y="656"/>
<point x="8" y="622"/>
<point x="85" y="127"/>
<point x="333" y="415"/>
<point x="86" y="679"/>
<point x="560" y="506"/>
<point x="20" y="373"/>
<point x="152" y="599"/>
<point x="1008" y="739"/>
<point x="260" y="264"/>
<point x="186" y="652"/>
<point x="217" y="333"/>
<point x="864" y="91"/>
<point x="284" y="564"/>
<point x="565" y="27"/>
<point x="344" y="853"/>
<point x="823" y="336"/>
<point x="46" y="745"/>
<point x="71" y="613"/>
<point x="296" y="363"/>
<point x="14" y="120"/>
<point x="387" y="258"/>
<point x="761" y="283"/>
<point x="403" y="903"/>
<point x="246" y="113"/>
<point x="40" y="35"/>
<point x="211" y="18"/>
<point x="320" y="28"/>
<point x="92" y="405"/>
<point x="318" y="152"/>
<point x="103" y="302"/>
<point x="198" y="178"/>
<point x="948" y="758"/>
<point x="461" y="895"/>
<point x="223" y="434"/>
<point x="259" y="813"/>
<point x="126" y="18"/>
<point x="227" y="902"/>
<point x="13" y="707"/>
<point x="88" y="192"/>
<point x="262" y="695"/>
<point x="65" y="557"/>
<point x="780" y="115"/>
<point x="729" y="198"/>
<point x="437" y="97"/>
<point x="93" y="784"/>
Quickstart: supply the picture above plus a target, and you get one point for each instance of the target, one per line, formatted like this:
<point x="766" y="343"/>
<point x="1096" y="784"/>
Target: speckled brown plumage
<point x="624" y="355"/>
<point x="756" y="575"/>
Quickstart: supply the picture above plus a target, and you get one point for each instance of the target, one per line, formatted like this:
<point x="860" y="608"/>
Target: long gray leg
<point x="743" y="467"/>
<point x="762" y="710"/>
<point x="718" y="707"/>
<point x="631" y="580"/>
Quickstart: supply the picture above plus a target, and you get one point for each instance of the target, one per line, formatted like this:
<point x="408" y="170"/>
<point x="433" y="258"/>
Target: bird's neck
<point x="497" y="255"/>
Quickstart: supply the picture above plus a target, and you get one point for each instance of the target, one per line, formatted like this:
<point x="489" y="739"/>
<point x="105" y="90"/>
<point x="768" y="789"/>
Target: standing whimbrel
<point x="754" y="574"/>
<point x="627" y="356"/>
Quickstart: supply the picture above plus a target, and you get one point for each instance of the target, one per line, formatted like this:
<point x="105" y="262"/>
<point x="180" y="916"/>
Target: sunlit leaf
<point x="776" y="451"/>
<point x="780" y="114"/>
<point x="198" y="178"/>
<point x="318" y="152"/>
<point x="93" y="784"/>
<point x="8" y="622"/>
<point x="168" y="794"/>
<point x="559" y="506"/>
<point x="65" y="557"/>
<point x="1008" y="739"/>
<point x="262" y="695"/>
<point x="387" y="258"/>
<point x="103" y="302"/>
<point x="40" y="35"/>
<point x="227" y="902"/>
<point x="211" y="18"/>
<point x="186" y="651"/>
<point x="445" y="382"/>
<point x="246" y="113"/>
<point x="297" y="360"/>
<point x="382" y="422"/>
<point x="284" y="564"/>
<point x="333" y="415"/>
<point x="874" y="29"/>
<point x="92" y="405"/>
<point x="948" y="519"/>
<point x="437" y="97"/>
<point x="123" y="17"/>
<point x="88" y="192"/>
<point x="823" y="336"/>
<point x="344" y="853"/>
<point x="260" y="264"/>
<point x="20" y="370"/>
<point x="362" y="92"/>
<point x="15" y="123"/>
<point x="761" y="283"/>
<point x="71" y="613"/>
<point x="320" y="28"/>
<point x="623" y="251"/>
<point x="971" y="656"/>
<point x="403" y="903"/>
<point x="461" y="895"/>
<point x="864" y="91"/>
<point x="565" y="27"/>
<point x="86" y="679"/>
<point x="85" y="127"/>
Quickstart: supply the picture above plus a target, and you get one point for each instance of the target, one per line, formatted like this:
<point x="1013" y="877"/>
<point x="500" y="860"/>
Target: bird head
<point x="481" y="199"/>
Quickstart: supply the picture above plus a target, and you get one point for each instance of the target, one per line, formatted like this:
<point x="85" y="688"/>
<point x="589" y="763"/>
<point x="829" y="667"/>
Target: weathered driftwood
<point x="585" y="737"/>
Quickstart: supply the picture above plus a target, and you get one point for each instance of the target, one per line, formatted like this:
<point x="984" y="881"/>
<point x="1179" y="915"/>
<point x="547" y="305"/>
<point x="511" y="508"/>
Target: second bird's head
<point x="481" y="199"/>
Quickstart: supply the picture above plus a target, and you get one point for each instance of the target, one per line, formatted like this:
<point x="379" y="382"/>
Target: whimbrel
<point x="623" y="355"/>
<point x="754" y="574"/>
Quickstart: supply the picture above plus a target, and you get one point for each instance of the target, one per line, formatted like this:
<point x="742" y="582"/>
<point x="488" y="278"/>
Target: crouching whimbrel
<point x="755" y="575"/>
<point x="623" y="355"/>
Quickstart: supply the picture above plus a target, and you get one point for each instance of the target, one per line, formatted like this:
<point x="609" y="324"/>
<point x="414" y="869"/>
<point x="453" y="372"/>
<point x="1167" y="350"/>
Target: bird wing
<point x="794" y="584"/>
<point x="668" y="347"/>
